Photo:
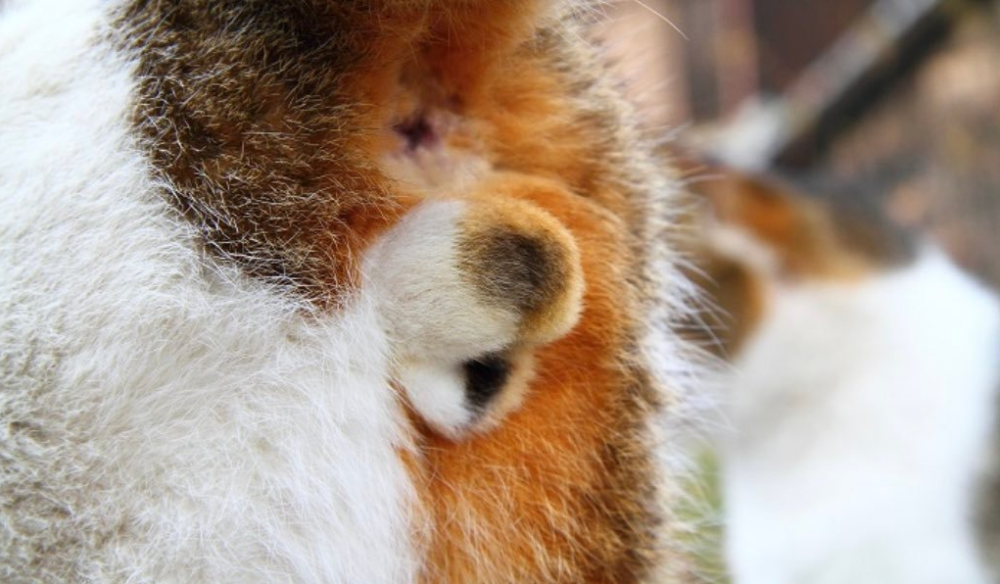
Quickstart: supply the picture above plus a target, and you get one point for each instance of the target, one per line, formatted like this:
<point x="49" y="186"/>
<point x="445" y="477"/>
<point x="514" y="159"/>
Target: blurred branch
<point x="793" y="129"/>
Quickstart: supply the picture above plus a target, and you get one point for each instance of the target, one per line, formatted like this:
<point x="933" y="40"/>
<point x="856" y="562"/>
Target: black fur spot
<point x="517" y="270"/>
<point x="484" y="378"/>
<point x="417" y="131"/>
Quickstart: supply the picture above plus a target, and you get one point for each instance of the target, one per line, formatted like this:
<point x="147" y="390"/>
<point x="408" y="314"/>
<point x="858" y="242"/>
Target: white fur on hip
<point x="861" y="412"/>
<point x="166" y="419"/>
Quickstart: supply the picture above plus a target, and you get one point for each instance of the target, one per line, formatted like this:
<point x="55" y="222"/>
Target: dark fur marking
<point x="859" y="220"/>
<point x="515" y="269"/>
<point x="244" y="110"/>
<point x="484" y="378"/>
<point x="418" y="132"/>
<point x="862" y="226"/>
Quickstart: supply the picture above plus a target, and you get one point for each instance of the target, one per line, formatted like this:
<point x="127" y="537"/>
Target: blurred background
<point x="899" y="98"/>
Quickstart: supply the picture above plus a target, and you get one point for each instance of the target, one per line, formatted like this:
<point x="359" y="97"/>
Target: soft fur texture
<point x="327" y="292"/>
<point x="861" y="397"/>
<point x="857" y="446"/>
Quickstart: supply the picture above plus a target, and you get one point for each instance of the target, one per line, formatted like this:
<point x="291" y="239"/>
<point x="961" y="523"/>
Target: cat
<point x="329" y="291"/>
<point x="860" y="393"/>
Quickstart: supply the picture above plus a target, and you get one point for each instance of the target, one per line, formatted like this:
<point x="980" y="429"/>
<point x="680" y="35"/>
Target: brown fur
<point x="270" y="121"/>
<point x="838" y="236"/>
<point x="564" y="483"/>
<point x="828" y="234"/>
<point x="520" y="256"/>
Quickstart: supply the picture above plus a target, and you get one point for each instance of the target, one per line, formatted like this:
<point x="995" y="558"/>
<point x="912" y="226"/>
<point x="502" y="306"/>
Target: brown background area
<point x="927" y="143"/>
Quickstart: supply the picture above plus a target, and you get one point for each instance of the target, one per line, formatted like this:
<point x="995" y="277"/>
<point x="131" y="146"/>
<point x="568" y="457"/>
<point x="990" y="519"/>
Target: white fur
<point x="163" y="418"/>
<point x="741" y="245"/>
<point x="861" y="414"/>
<point x="430" y="308"/>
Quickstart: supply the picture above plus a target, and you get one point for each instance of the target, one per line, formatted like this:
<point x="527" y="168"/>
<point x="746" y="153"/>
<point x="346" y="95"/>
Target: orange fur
<point x="535" y="500"/>
<point x="564" y="488"/>
<point x="812" y="237"/>
<point x="793" y="225"/>
<point x="560" y="491"/>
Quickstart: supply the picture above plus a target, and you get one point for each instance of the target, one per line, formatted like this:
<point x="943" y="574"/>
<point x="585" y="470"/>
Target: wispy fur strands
<point x="248" y="110"/>
<point x="865" y="368"/>
<point x="252" y="252"/>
